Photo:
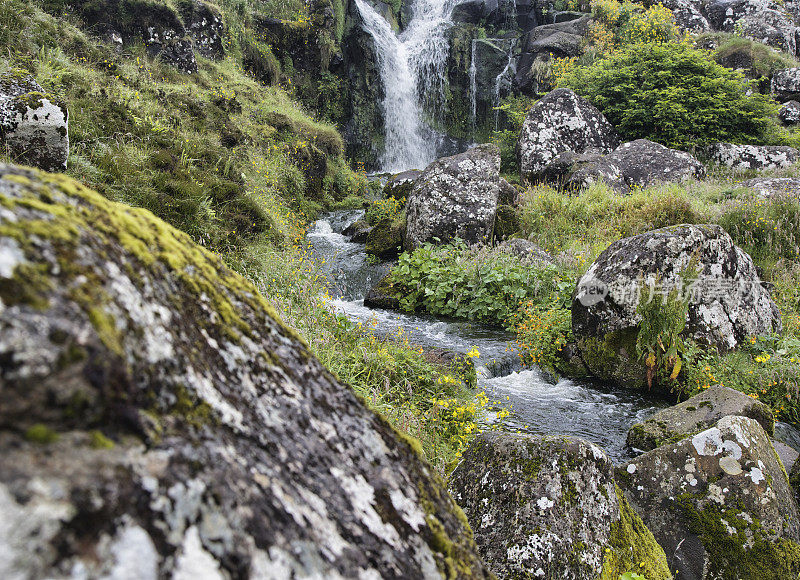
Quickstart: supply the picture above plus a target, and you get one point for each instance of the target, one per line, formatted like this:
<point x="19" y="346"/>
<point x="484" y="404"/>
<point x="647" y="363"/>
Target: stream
<point x="595" y="411"/>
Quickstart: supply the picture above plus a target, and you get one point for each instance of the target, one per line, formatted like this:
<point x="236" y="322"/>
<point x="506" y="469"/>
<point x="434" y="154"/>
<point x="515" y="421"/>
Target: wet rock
<point x="527" y="252"/>
<point x="385" y="240"/>
<point x="455" y="197"/>
<point x="382" y="295"/>
<point x="358" y="231"/>
<point x="158" y="419"/>
<point x="697" y="414"/>
<point x="726" y="303"/>
<point x="399" y="186"/>
<point x="548" y="507"/>
<point x="785" y="84"/>
<point x="491" y="57"/>
<point x="719" y="503"/>
<point x="773" y="187"/>
<point x="561" y="121"/>
<point x="34" y="125"/>
<point x="557" y="43"/>
<point x="789" y="113"/>
<point x="752" y="157"/>
<point x="206" y="27"/>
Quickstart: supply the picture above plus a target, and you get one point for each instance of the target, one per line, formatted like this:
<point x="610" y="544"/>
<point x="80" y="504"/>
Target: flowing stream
<point x="412" y="66"/>
<point x="585" y="409"/>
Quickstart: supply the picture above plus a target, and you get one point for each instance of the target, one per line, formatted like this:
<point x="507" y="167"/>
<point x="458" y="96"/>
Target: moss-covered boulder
<point x="719" y="503"/>
<point x="34" y="125"/>
<point x="158" y="419"/>
<point x="697" y="414"/>
<point x="399" y="186"/>
<point x="383" y="295"/>
<point x="699" y="264"/>
<point x="548" y="507"/>
<point x="385" y="240"/>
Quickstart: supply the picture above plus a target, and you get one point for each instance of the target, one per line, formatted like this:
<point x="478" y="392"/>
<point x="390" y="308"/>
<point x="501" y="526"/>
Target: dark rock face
<point x="206" y="27"/>
<point x="561" y="121"/>
<point x="358" y="231"/>
<point x="752" y="157"/>
<point x="547" y="507"/>
<point x="727" y="302"/>
<point x="790" y="113"/>
<point x="385" y="240"/>
<point x="719" y="503"/>
<point x="689" y="16"/>
<point x="400" y="185"/>
<point x="575" y="171"/>
<point x="697" y="414"/>
<point x="382" y="296"/>
<point x="509" y="195"/>
<point x="777" y="186"/>
<point x="194" y="430"/>
<point x="455" y="197"/>
<point x="785" y="84"/>
<point x="34" y="126"/>
<point x="644" y="163"/>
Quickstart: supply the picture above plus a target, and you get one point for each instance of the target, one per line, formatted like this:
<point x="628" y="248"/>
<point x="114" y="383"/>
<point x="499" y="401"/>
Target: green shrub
<point x="674" y="95"/>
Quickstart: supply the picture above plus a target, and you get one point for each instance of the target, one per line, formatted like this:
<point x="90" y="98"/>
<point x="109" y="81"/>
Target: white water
<point x="473" y="88"/>
<point x="412" y="66"/>
<point x="503" y="81"/>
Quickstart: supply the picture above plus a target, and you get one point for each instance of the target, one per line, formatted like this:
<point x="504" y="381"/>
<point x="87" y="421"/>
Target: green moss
<point x="99" y="441"/>
<point x="632" y="547"/>
<point x="613" y="357"/>
<point x="41" y="434"/>
<point x="729" y="558"/>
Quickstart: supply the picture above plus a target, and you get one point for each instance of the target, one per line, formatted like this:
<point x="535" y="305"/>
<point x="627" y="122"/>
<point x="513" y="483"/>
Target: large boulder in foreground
<point x="561" y="121"/>
<point x="697" y="414"/>
<point x="727" y="302"/>
<point x="34" y="126"/>
<point x="548" y="507"/>
<point x="159" y="421"/>
<point x="455" y="197"/>
<point x="752" y="157"/>
<point x="719" y="503"/>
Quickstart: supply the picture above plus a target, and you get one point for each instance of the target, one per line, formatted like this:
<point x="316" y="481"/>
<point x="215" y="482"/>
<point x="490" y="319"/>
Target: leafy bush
<point x="381" y="209"/>
<point x="674" y="95"/>
<point x="485" y="285"/>
<point x="542" y="333"/>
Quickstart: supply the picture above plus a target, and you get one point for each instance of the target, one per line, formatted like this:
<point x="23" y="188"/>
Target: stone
<point x="358" y="231"/>
<point x="724" y="14"/>
<point x="206" y="27"/>
<point x="455" y="197"/>
<point x="558" y="44"/>
<point x="576" y="171"/>
<point x="385" y="240"/>
<point x="770" y="27"/>
<point x="719" y="503"/>
<point x="399" y="186"/>
<point x="789" y="113"/>
<point x="697" y="414"/>
<point x="158" y="420"/>
<point x="645" y="163"/>
<point x="382" y="295"/>
<point x="775" y="186"/>
<point x="548" y="507"/>
<point x="752" y="157"/>
<point x="726" y="303"/>
<point x="785" y="84"/>
<point x="788" y="455"/>
<point x="508" y="195"/>
<point x="527" y="252"/>
<point x="34" y="125"/>
<point x="688" y="16"/>
<point x="561" y="121"/>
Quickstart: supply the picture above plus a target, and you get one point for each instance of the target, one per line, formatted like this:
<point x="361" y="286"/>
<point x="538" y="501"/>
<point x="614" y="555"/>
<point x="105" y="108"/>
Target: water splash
<point x="412" y="67"/>
<point x="473" y="89"/>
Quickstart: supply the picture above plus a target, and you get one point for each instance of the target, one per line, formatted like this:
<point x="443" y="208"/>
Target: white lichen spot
<point x="135" y="556"/>
<point x="708" y="442"/>
<point x="10" y="257"/>
<point x="631" y="468"/>
<point x="730" y="466"/>
<point x="408" y="508"/>
<point x="194" y="562"/>
<point x="545" y="503"/>
<point x="755" y="475"/>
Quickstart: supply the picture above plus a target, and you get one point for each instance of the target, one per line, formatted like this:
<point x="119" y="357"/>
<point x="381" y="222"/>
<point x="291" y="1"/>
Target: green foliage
<point x="513" y="110"/>
<point x="542" y="334"/>
<point x="674" y="95"/>
<point x="477" y="284"/>
<point x="389" y="208"/>
<point x="766" y="60"/>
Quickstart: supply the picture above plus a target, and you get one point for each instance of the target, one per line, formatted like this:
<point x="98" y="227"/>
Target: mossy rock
<point x="142" y="377"/>
<point x="697" y="414"/>
<point x="548" y="507"/>
<point x="506" y="222"/>
<point x="385" y="240"/>
<point x="719" y="503"/>
<point x="383" y="295"/>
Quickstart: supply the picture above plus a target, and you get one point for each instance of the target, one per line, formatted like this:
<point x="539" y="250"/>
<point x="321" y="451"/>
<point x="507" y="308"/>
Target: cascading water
<point x="412" y="66"/>
<point x="503" y="81"/>
<point x="473" y="88"/>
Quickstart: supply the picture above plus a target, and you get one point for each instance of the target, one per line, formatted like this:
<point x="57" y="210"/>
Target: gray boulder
<point x="688" y="16"/>
<point x="752" y="157"/>
<point x="576" y="171"/>
<point x="509" y="195"/>
<point x="548" y="507"/>
<point x="358" y="231"/>
<point x="561" y="121"/>
<point x="159" y="421"/>
<point x="719" y="503"/>
<point x="34" y="125"/>
<point x="789" y="113"/>
<point x="645" y="163"/>
<point x="785" y="84"/>
<point x="698" y="414"/>
<point x="788" y="455"/>
<point x="726" y="303"/>
<point x="455" y="197"/>
<point x="724" y="14"/>
<point x="770" y="27"/>
<point x="776" y="186"/>
<point x="205" y="26"/>
<point x="399" y="186"/>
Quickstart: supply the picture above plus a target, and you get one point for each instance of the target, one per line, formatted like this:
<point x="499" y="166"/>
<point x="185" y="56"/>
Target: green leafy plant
<point x="675" y="95"/>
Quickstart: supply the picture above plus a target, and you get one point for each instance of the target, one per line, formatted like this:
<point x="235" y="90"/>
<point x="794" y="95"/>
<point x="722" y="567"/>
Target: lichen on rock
<point x="191" y="425"/>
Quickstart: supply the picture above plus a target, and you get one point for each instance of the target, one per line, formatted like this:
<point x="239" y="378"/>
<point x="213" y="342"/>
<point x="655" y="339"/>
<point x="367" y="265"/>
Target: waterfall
<point x="506" y="76"/>
<point x="473" y="88"/>
<point x="412" y="66"/>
